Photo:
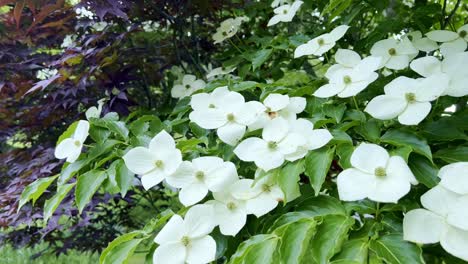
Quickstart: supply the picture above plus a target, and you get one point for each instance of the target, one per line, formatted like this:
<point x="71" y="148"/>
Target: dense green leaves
<point x="34" y="190"/>
<point x="51" y="204"/>
<point x="404" y="138"/>
<point x="317" y="164"/>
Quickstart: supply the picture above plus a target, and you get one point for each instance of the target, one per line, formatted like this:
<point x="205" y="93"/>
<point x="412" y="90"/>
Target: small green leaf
<point x="116" y="127"/>
<point x="124" y="177"/>
<point x="344" y="152"/>
<point x="424" y="171"/>
<point x="121" y="253"/>
<point x="68" y="133"/>
<point x="51" y="204"/>
<point x="295" y="239"/>
<point x="317" y="164"/>
<point x="454" y="154"/>
<point x="288" y="180"/>
<point x="353" y="251"/>
<point x="34" y="190"/>
<point x="334" y="111"/>
<point x="119" y="240"/>
<point x="321" y="206"/>
<point x="242" y="86"/>
<point x="86" y="186"/>
<point x="260" y="57"/>
<point x="394" y="250"/>
<point x="404" y="138"/>
<point x="258" y="249"/>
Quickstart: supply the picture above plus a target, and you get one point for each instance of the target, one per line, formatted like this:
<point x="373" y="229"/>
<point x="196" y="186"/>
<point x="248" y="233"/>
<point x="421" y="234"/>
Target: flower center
<point x="230" y="117"/>
<point x="211" y="106"/>
<point x="272" y="145"/>
<point x="380" y="172"/>
<point x="200" y="175"/>
<point x="321" y="42"/>
<point x="347" y="79"/>
<point x="285" y="11"/>
<point x="266" y="188"/>
<point x="224" y="33"/>
<point x="272" y="114"/>
<point x="410" y="97"/>
<point x="462" y="34"/>
<point x="185" y="240"/>
<point x="77" y="143"/>
<point x="410" y="37"/>
<point x="223" y="68"/>
<point x="392" y="51"/>
<point x="187" y="86"/>
<point x="231" y="206"/>
<point x="159" y="163"/>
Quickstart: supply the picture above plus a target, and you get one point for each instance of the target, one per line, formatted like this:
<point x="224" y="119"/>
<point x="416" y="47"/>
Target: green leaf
<point x="121" y="253"/>
<point x="144" y="123"/>
<point x="340" y="137"/>
<point x="317" y="164"/>
<point x="124" y="177"/>
<point x="404" y="138"/>
<point x="116" y="127"/>
<point x="335" y="111"/>
<point x="370" y="131"/>
<point x="34" y="190"/>
<point x="295" y="239"/>
<point x="257" y="249"/>
<point x="424" y="171"/>
<point x="51" y="204"/>
<point x="68" y="133"/>
<point x="353" y="251"/>
<point x="344" y="152"/>
<point x="99" y="134"/>
<point x="455" y="154"/>
<point x="394" y="250"/>
<point x="70" y="170"/>
<point x="288" y="180"/>
<point x="293" y="78"/>
<point x="403" y="152"/>
<point x="116" y="242"/>
<point x="260" y="57"/>
<point x="321" y="205"/>
<point x="86" y="186"/>
<point x="330" y="236"/>
<point x="242" y="86"/>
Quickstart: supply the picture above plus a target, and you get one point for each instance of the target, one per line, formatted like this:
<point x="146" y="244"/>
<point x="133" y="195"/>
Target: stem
<point x="235" y="46"/>
<point x="355" y="103"/>
<point x="377" y="211"/>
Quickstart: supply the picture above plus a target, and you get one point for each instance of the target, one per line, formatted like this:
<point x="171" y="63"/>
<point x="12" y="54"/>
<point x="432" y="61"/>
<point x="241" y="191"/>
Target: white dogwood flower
<point x="261" y="196"/>
<point x="186" y="240"/>
<point x="454" y="177"/>
<point x="443" y="219"/>
<point x="375" y="175"/>
<point x="453" y="42"/>
<point x="269" y="152"/>
<point x="422" y="44"/>
<point x="156" y="162"/>
<point x="217" y="72"/>
<point x="314" y="138"/>
<point x="228" y="28"/>
<point x="230" y="213"/>
<point x="395" y="54"/>
<point x="201" y="175"/>
<point x="350" y="76"/>
<point x="70" y="148"/>
<point x="285" y="13"/>
<point x="189" y="85"/>
<point x="276" y="3"/>
<point x="278" y="105"/>
<point x="225" y="111"/>
<point x="321" y="44"/>
<point x="454" y="66"/>
<point x="407" y="98"/>
<point x="95" y="112"/>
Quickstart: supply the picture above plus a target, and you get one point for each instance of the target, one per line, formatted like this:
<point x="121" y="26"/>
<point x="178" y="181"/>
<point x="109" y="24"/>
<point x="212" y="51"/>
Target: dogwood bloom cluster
<point x="375" y="175"/>
<point x="321" y="44"/>
<point x="443" y="218"/>
<point x="218" y="72"/>
<point x="228" y="28"/>
<point x="452" y="42"/>
<point x="189" y="85"/>
<point x="395" y="54"/>
<point x="350" y="75"/>
<point x="70" y="148"/>
<point x="285" y="13"/>
<point x="408" y="98"/>
<point x="226" y="111"/>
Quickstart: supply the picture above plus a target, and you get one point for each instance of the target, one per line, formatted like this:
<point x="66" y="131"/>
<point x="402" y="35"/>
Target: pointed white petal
<point x="398" y="62"/>
<point x="153" y="178"/>
<point x="346" y="57"/>
<point x="390" y="188"/>
<point x="338" y="32"/>
<point x="81" y="131"/>
<point x="270" y="159"/>
<point x="162" y="141"/>
<point x="261" y="205"/>
<point x="432" y="87"/>
<point x="453" y="47"/>
<point x="200" y="101"/>
<point x="243" y="189"/>
<point x="74" y="154"/>
<point x="400" y="86"/>
<point x="454" y="178"/>
<point x="458" y="213"/>
<point x="356" y="87"/>
<point x="368" y="64"/>
<point x="170" y="253"/>
<point x="250" y="149"/>
<point x="367" y="157"/>
<point x="442" y="35"/>
<point x="354" y="185"/>
<point x="231" y="133"/>
<point x="385" y="107"/>
<point x="291" y="142"/>
<point x="329" y="90"/>
<point x="249" y="113"/>
<point x="422" y="226"/>
<point x="209" y="118"/>
<point x="230" y="221"/>
<point x="199" y="220"/>
<point x="439" y="200"/>
<point x="232" y="102"/>
<point x="274" y="20"/>
<point x="193" y="193"/>
<point x="276" y="101"/>
<point x="425" y="44"/>
<point x="397" y="168"/>
<point x="455" y="242"/>
<point x="207" y="163"/>
<point x="222" y="177"/>
<point x="139" y="160"/>
<point x="183" y="176"/>
<point x="171" y="160"/>
<point x="275" y="130"/>
<point x="202" y="250"/>
<point x="426" y="66"/>
<point x="306" y="49"/>
<point x="179" y="91"/>
<point x="318" y="138"/>
<point x="457" y="87"/>
<point x="173" y="231"/>
<point x="414" y="113"/>
<point x="296" y="104"/>
<point x="381" y="47"/>
<point x="65" y="148"/>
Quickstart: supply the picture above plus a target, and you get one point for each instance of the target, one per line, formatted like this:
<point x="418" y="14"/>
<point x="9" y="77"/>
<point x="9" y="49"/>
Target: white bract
<point x="407" y="98"/>
<point x="350" y="76"/>
<point x="271" y="150"/>
<point x="375" y="175"/>
<point x="225" y="111"/>
<point x="454" y="66"/>
<point x="443" y="218"/>
<point x="278" y="105"/>
<point x="217" y="72"/>
<point x="276" y="3"/>
<point x="395" y="54"/>
<point x="321" y="44"/>
<point x="186" y="240"/>
<point x="95" y="112"/>
<point x="156" y="162"/>
<point x="453" y="42"/>
<point x="285" y="13"/>
<point x="201" y="175"/>
<point x="228" y="28"/>
<point x="189" y="85"/>
<point x="261" y="196"/>
<point x="230" y="213"/>
<point x="70" y="148"/>
<point x="422" y="44"/>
